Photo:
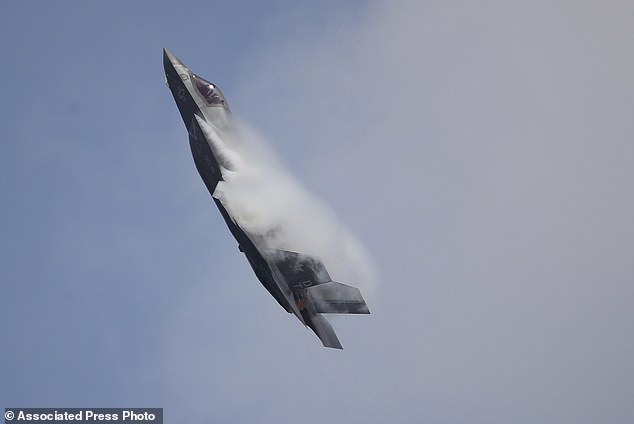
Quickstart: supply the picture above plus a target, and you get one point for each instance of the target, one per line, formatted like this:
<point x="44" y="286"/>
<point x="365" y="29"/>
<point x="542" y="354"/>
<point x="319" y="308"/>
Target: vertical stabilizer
<point x="324" y="331"/>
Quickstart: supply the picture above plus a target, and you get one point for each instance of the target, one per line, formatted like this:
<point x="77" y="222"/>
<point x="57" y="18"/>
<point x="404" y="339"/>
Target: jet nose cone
<point x="167" y="55"/>
<point x="170" y="60"/>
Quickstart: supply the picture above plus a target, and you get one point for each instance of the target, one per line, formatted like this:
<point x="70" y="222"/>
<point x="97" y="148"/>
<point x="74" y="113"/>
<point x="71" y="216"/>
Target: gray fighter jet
<point x="299" y="282"/>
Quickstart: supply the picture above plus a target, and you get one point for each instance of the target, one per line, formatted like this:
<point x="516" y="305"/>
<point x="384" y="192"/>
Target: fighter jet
<point x="299" y="282"/>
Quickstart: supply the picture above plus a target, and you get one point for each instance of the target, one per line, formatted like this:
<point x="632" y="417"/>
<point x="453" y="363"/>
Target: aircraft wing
<point x="337" y="298"/>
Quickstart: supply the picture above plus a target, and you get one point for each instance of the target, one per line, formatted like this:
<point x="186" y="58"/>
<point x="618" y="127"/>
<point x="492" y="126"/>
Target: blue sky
<point x="482" y="154"/>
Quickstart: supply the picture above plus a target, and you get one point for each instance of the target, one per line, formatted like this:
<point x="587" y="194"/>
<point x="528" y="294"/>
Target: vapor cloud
<point x="265" y="199"/>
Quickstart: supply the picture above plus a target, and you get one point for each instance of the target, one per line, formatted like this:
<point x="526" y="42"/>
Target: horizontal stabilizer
<point x="324" y="331"/>
<point x="337" y="298"/>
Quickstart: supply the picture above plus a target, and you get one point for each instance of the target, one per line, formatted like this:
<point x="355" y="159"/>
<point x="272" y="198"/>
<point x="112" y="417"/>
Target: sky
<point x="481" y="152"/>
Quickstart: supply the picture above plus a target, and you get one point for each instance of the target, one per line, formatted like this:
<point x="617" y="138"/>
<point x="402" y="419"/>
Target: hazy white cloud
<point x="265" y="200"/>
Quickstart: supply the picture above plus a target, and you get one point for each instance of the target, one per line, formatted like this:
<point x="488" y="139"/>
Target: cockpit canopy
<point x="210" y="93"/>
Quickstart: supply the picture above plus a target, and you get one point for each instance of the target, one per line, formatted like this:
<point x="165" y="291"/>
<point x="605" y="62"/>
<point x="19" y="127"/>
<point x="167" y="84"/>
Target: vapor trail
<point x="266" y="200"/>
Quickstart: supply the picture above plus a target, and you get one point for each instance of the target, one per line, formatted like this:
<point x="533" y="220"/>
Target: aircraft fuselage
<point x="299" y="282"/>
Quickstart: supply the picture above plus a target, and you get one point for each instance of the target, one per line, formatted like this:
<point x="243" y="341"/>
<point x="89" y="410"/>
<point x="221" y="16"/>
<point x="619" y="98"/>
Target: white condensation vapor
<point x="263" y="198"/>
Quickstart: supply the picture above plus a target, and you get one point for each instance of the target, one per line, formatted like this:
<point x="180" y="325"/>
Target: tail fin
<point x="324" y="331"/>
<point x="337" y="298"/>
<point x="300" y="270"/>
